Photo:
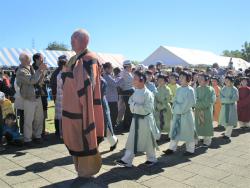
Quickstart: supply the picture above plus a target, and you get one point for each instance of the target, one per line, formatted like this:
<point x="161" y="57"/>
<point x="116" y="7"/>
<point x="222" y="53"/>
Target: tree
<point x="57" y="46"/>
<point x="244" y="53"/>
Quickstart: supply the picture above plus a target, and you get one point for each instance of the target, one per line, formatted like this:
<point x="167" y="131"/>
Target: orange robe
<point x="82" y="115"/>
<point x="217" y="105"/>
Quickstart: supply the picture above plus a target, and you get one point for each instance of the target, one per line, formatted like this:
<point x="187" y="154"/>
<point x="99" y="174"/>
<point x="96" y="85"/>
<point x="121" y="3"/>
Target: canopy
<point x="9" y="57"/>
<point x="173" y="56"/>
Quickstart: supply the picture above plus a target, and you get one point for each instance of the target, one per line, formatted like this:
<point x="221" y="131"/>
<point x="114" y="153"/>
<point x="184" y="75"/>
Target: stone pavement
<point x="223" y="165"/>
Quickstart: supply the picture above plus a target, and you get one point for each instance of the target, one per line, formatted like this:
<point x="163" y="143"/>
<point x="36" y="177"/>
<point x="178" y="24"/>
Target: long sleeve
<point x="185" y="105"/>
<point x="142" y="109"/>
<point x="23" y="77"/>
<point x="233" y="97"/>
<point x="205" y="101"/>
<point x="245" y="101"/>
<point x="163" y="98"/>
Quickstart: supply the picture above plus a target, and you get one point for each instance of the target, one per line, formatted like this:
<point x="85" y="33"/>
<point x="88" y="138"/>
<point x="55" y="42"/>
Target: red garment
<point x="243" y="106"/>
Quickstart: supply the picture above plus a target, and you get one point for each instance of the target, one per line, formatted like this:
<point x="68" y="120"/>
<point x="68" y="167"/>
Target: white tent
<point x="173" y="56"/>
<point x="9" y="56"/>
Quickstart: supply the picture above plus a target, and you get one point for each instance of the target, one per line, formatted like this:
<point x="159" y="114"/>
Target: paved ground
<point x="223" y="165"/>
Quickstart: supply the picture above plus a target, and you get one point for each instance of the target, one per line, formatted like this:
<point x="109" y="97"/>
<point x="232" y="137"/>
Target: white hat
<point x="127" y="62"/>
<point x="2" y="96"/>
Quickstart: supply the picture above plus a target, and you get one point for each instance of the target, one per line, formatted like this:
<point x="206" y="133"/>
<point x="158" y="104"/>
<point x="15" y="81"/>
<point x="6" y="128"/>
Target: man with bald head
<point x="28" y="80"/>
<point x="82" y="116"/>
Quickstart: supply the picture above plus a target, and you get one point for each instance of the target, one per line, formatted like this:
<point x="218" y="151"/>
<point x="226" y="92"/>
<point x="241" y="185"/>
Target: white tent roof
<point x="173" y="56"/>
<point x="10" y="56"/>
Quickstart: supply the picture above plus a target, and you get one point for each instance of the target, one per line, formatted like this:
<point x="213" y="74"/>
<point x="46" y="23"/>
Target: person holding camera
<point x="28" y="80"/>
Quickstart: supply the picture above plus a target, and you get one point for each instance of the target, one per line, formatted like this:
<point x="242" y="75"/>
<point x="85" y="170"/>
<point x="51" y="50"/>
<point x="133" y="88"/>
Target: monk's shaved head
<point x="81" y="39"/>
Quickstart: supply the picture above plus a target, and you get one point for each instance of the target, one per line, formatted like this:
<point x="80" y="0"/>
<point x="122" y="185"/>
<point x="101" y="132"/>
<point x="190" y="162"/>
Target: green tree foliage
<point x="244" y="53"/>
<point x="57" y="46"/>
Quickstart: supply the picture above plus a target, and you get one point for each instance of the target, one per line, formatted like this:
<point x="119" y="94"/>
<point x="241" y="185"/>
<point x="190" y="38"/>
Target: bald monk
<point x="82" y="116"/>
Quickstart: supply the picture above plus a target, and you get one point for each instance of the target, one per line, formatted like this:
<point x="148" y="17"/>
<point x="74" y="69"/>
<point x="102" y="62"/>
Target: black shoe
<point x="168" y="152"/>
<point x="38" y="141"/>
<point x="150" y="163"/>
<point x="187" y="153"/>
<point x="29" y="144"/>
<point x="205" y="145"/>
<point x="114" y="146"/>
<point x="122" y="163"/>
<point x="225" y="137"/>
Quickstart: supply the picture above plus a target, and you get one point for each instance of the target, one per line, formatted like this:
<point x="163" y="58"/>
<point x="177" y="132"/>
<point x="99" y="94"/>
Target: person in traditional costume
<point x="163" y="111"/>
<point x="217" y="105"/>
<point x="109" y="133"/>
<point x="173" y="85"/>
<point x="143" y="131"/>
<point x="183" y="128"/>
<point x="243" y="105"/>
<point x="205" y="99"/>
<point x="229" y="96"/>
<point x="82" y="115"/>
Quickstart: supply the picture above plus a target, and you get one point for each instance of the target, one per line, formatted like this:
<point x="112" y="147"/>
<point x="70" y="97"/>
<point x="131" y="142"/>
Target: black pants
<point x="128" y="115"/>
<point x="20" y="113"/>
<point x="113" y="107"/>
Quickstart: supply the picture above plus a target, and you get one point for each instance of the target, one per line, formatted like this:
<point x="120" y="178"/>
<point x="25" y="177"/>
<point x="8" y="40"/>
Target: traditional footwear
<point x="187" y="153"/>
<point x="122" y="163"/>
<point x="150" y="163"/>
<point x="168" y="152"/>
<point x="114" y="146"/>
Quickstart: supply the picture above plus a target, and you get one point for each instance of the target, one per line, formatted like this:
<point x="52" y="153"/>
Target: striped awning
<point x="9" y="57"/>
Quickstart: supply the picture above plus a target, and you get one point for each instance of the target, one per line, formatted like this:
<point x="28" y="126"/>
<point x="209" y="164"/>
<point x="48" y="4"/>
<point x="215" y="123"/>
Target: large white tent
<point x="9" y="56"/>
<point x="173" y="56"/>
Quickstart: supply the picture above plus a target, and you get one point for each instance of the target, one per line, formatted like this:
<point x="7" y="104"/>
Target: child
<point x="229" y="95"/>
<point x="11" y="131"/>
<point x="243" y="106"/>
<point x="163" y="112"/>
<point x="143" y="131"/>
<point x="205" y="99"/>
<point x="6" y="105"/>
<point x="173" y="78"/>
<point x="182" y="128"/>
<point x="217" y="105"/>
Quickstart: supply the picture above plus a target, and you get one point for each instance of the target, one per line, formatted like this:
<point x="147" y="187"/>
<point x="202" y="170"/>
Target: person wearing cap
<point x="127" y="91"/>
<point x="217" y="105"/>
<point x="62" y="61"/>
<point x="27" y="80"/>
<point x="205" y="99"/>
<point x="229" y="96"/>
<point x="243" y="105"/>
<point x="173" y="85"/>
<point x="158" y="68"/>
<point x="163" y="111"/>
<point x="183" y="125"/>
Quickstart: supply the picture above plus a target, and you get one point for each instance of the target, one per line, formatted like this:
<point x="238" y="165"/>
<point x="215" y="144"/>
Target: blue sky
<point x="134" y="28"/>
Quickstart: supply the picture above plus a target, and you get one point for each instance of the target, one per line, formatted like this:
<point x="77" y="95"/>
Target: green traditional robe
<point x="163" y="111"/>
<point x="205" y="99"/>
<point x="228" y="114"/>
